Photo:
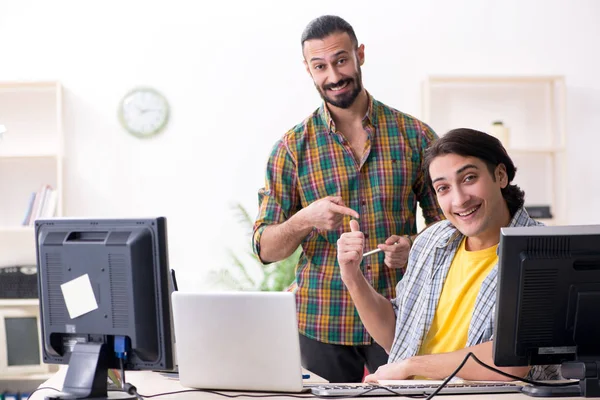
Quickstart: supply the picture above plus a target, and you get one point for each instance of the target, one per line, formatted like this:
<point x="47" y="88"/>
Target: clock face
<point x="144" y="112"/>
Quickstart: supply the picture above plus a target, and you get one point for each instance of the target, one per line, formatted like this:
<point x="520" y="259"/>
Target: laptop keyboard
<point x="347" y="390"/>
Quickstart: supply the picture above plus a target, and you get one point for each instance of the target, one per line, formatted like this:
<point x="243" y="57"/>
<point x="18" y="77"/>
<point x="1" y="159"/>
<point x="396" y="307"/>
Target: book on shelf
<point x="42" y="204"/>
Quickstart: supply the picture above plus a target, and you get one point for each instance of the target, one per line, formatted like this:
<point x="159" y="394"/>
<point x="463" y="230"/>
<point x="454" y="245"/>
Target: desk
<point x="149" y="383"/>
<point x="22" y="384"/>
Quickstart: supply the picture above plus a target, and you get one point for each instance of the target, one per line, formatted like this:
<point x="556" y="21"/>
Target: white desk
<point x="22" y="383"/>
<point x="150" y="383"/>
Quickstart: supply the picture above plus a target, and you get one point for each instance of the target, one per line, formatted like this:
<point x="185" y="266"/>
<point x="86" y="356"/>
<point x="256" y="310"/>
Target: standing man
<point x="353" y="157"/>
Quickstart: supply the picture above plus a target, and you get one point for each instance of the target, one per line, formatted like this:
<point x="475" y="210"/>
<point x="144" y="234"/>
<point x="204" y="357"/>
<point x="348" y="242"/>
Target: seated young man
<point x="444" y="307"/>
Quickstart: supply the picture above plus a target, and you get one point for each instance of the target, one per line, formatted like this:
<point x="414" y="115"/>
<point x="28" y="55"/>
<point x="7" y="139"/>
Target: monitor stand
<point x="586" y="372"/>
<point x="88" y="374"/>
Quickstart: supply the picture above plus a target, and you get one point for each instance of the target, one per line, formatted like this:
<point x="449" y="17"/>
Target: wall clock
<point x="144" y="112"/>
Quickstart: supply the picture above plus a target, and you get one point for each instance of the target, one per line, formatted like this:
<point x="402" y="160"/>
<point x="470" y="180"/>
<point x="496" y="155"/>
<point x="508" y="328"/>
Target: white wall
<point x="233" y="74"/>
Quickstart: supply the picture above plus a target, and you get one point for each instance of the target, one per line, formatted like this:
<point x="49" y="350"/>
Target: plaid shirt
<point x="314" y="160"/>
<point x="419" y="292"/>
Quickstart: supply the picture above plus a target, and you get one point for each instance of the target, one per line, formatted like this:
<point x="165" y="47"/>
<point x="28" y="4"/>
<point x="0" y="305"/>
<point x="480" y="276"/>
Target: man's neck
<point x="476" y="243"/>
<point x="491" y="237"/>
<point x="356" y="112"/>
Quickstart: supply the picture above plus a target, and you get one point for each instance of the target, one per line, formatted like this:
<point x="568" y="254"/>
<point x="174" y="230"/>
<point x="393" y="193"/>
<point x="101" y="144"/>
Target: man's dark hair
<point x="471" y="143"/>
<point x="325" y="25"/>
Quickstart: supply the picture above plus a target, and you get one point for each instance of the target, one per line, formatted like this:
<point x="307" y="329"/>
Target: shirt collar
<point x="370" y="118"/>
<point x="447" y="237"/>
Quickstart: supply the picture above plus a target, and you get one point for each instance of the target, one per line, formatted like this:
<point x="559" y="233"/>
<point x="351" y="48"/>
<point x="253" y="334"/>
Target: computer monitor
<point x="104" y="298"/>
<point x="548" y="303"/>
<point x="20" y="339"/>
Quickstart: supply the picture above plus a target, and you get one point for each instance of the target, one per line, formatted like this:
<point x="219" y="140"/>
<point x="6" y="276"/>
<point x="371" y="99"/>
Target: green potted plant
<point x="246" y="272"/>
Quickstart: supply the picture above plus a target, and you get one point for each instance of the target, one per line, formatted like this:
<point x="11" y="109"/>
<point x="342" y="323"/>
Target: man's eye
<point x="470" y="178"/>
<point x="341" y="61"/>
<point x="441" y="189"/>
<point x="318" y="66"/>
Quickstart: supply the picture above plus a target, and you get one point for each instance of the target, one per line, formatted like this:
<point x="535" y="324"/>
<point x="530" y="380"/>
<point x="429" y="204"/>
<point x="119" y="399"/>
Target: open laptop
<point x="237" y="341"/>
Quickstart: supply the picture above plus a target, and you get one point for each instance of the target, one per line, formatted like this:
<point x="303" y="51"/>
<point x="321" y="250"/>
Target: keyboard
<point x="348" y="390"/>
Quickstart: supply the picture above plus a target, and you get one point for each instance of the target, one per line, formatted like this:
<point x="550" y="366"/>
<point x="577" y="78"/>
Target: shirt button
<point x="366" y="235"/>
<point x="368" y="267"/>
<point x="364" y="203"/>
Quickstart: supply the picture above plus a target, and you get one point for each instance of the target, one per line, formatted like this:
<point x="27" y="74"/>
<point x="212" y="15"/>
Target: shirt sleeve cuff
<point x="256" y="242"/>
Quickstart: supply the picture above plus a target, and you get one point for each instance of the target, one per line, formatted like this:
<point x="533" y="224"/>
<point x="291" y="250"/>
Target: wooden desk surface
<point x="151" y="383"/>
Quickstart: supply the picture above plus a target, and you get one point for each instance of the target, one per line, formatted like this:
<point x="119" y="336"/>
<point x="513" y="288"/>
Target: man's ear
<point x="360" y="52"/>
<point x="307" y="67"/>
<point x="501" y="175"/>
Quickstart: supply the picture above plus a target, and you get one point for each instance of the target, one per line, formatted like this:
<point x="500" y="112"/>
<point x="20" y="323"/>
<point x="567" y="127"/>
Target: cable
<point x="378" y="386"/>
<point x="369" y="390"/>
<point x="517" y="378"/>
<point x="231" y="396"/>
<point x="122" y="373"/>
<point x="44" y="388"/>
<point x="300" y="396"/>
<point x="514" y="377"/>
<point x="452" y="375"/>
<point x="121" y="348"/>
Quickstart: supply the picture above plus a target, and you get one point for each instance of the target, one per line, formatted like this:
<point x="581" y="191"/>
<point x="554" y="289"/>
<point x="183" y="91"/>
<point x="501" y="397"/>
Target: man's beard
<point x="347" y="99"/>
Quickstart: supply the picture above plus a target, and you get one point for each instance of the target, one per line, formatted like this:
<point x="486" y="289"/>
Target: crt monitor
<point x="104" y="299"/>
<point x="548" y="303"/>
<point x="20" y="349"/>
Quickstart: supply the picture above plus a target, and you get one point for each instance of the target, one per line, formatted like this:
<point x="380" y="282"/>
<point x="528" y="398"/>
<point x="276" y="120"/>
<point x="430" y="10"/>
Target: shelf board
<point x="18" y="302"/>
<point x="15" y="229"/>
<point x="494" y="79"/>
<point x="28" y="155"/>
<point x="26" y="85"/>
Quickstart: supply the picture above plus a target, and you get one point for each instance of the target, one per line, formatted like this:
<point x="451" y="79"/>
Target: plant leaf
<point x="276" y="276"/>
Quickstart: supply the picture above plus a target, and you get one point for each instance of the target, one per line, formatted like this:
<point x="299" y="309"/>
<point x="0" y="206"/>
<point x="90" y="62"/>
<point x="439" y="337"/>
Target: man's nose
<point x="460" y="198"/>
<point x="334" y="75"/>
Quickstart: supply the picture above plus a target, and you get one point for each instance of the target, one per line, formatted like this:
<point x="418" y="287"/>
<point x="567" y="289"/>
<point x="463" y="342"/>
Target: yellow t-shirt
<point x="450" y="326"/>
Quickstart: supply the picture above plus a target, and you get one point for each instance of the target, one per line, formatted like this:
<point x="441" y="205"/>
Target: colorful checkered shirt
<point x="314" y="160"/>
<point x="419" y="292"/>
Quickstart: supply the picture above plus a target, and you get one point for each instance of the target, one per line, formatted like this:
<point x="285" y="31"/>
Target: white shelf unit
<point x="533" y="110"/>
<point x="31" y="155"/>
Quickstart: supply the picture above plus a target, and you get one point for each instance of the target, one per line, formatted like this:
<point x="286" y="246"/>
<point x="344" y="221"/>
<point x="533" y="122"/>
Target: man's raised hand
<point x="396" y="250"/>
<point x="350" y="248"/>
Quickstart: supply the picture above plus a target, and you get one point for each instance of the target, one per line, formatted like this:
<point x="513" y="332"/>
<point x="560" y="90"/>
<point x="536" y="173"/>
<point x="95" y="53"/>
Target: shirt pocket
<point x="395" y="176"/>
<point x="317" y="185"/>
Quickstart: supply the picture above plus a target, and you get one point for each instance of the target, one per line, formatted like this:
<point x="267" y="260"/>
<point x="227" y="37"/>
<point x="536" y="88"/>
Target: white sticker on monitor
<point x="79" y="296"/>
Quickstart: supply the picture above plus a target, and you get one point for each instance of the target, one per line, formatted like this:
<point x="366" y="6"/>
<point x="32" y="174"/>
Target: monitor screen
<point x="104" y="290"/>
<point x="548" y="298"/>
<point x="22" y="341"/>
<point x="20" y="347"/>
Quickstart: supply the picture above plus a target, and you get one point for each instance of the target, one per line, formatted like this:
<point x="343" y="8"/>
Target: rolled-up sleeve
<point x="279" y="198"/>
